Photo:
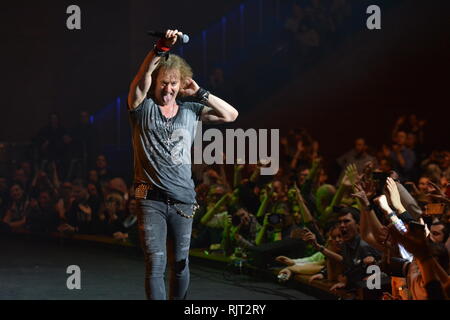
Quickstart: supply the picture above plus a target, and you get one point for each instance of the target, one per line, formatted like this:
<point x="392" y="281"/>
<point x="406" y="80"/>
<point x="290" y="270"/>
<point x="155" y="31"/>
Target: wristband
<point x="406" y="217"/>
<point x="202" y="96"/>
<point x="160" y="50"/>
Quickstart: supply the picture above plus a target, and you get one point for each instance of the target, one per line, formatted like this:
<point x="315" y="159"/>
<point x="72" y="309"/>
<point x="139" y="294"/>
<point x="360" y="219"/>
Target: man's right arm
<point x="141" y="83"/>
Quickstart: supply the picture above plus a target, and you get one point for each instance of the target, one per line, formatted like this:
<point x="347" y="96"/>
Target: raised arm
<point x="310" y="237"/>
<point x="211" y="212"/>
<point x="310" y="180"/>
<point x="345" y="186"/>
<point x="216" y="110"/>
<point x="370" y="227"/>
<point x="262" y="232"/>
<point x="142" y="81"/>
<point x="264" y="203"/>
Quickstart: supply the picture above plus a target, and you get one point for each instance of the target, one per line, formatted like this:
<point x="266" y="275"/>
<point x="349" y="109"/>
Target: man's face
<point x="348" y="227"/>
<point x="437" y="233"/>
<point x="167" y="86"/>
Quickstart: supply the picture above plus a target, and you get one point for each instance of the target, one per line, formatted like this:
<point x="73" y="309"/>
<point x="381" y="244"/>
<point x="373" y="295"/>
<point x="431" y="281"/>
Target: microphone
<point x="184" y="37"/>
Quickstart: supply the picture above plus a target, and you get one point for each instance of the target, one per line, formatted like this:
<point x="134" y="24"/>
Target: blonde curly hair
<point x="174" y="62"/>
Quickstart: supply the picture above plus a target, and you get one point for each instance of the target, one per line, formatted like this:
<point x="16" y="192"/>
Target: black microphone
<point x="184" y="37"/>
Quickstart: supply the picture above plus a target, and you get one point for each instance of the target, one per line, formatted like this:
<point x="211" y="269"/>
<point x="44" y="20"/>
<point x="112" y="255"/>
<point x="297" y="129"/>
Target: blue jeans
<point x="165" y="237"/>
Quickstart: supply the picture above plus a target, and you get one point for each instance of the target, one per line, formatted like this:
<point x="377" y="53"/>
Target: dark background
<point x="373" y="78"/>
<point x="358" y="90"/>
<point x="46" y="67"/>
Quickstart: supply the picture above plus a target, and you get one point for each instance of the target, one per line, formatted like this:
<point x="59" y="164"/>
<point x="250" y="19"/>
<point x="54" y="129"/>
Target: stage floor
<point x="35" y="269"/>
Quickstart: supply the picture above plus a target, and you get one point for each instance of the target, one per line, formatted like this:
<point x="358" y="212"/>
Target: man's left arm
<point x="216" y="110"/>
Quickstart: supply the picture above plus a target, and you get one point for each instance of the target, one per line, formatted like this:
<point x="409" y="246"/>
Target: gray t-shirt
<point x="162" y="148"/>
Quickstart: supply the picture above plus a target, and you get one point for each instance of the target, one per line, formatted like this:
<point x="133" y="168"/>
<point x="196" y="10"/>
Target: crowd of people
<point x="56" y="190"/>
<point x="389" y="208"/>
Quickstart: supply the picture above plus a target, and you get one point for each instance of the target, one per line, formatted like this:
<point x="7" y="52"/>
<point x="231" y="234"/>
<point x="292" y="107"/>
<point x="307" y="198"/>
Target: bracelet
<point x="202" y="96"/>
<point x="160" y="50"/>
<point x="392" y="214"/>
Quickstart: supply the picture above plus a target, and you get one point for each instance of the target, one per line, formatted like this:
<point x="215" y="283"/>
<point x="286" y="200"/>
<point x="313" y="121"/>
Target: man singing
<point x="163" y="130"/>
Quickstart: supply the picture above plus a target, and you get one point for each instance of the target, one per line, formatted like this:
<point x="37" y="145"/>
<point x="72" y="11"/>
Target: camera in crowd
<point x="380" y="181"/>
<point x="380" y="176"/>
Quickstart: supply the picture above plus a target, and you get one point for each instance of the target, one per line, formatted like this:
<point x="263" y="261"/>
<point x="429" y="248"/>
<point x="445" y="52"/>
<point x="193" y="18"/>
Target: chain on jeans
<point x="141" y="193"/>
<point x="195" y="206"/>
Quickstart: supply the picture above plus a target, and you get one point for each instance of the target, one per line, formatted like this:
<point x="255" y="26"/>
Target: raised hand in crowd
<point x="350" y="176"/>
<point x="360" y="194"/>
<point x="394" y="195"/>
